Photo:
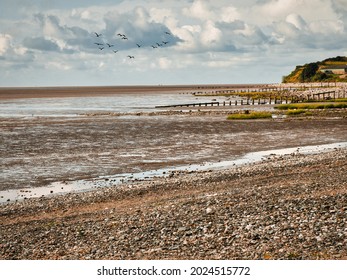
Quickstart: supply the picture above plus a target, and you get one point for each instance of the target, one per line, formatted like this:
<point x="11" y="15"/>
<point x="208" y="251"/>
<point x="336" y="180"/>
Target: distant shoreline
<point x="76" y="91"/>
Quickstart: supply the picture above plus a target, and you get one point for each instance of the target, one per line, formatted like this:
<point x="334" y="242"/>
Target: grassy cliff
<point x="311" y="72"/>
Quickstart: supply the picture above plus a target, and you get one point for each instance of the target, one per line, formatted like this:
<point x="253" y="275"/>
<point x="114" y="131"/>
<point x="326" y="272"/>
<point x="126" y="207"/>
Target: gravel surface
<point x="288" y="207"/>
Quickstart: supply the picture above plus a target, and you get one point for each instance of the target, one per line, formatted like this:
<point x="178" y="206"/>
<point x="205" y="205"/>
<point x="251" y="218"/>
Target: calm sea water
<point x="74" y="106"/>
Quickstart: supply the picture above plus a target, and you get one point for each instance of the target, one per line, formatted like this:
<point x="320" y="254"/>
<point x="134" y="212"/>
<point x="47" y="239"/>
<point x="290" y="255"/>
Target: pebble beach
<point x="285" y="207"/>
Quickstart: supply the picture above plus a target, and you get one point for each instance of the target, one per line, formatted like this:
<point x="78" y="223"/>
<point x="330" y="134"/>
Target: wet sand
<point x="38" y="151"/>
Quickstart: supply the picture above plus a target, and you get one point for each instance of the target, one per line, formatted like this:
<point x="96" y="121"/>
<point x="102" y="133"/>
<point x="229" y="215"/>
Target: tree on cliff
<point x="308" y="72"/>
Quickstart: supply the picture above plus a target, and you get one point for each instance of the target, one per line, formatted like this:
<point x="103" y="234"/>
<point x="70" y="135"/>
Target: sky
<point x="156" y="42"/>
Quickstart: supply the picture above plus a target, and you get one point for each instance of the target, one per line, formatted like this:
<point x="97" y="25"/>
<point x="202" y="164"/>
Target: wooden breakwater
<point x="259" y="101"/>
<point x="214" y="103"/>
<point x="308" y="92"/>
<point x="307" y="97"/>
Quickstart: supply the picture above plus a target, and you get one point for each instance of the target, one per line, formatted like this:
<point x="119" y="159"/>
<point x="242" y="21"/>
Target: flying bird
<point x="130" y="56"/>
<point x="138" y="45"/>
<point x="165" y="42"/>
<point x="97" y="35"/>
<point x="115" y="51"/>
<point x="99" y="44"/>
<point x="159" y="45"/>
<point x="122" y="36"/>
<point x="101" y="48"/>
<point x="109" y="45"/>
<point x="168" y="33"/>
<point x="154" y="47"/>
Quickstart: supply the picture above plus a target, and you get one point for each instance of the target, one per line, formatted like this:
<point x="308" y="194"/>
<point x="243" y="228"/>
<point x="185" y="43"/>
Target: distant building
<point x="335" y="69"/>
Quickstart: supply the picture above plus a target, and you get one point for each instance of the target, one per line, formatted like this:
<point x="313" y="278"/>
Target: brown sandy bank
<point x="40" y="92"/>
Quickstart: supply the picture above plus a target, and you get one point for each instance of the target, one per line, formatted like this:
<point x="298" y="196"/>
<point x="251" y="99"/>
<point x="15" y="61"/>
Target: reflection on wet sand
<point x="129" y="178"/>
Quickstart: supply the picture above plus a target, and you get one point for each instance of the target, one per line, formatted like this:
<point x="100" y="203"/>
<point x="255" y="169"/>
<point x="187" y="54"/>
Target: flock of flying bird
<point x="102" y="45"/>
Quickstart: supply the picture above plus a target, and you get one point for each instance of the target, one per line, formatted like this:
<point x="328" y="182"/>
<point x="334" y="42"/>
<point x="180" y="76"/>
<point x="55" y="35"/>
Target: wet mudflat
<point x="37" y="151"/>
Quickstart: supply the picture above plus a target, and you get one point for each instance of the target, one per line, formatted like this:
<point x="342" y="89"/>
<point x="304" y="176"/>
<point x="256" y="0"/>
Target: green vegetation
<point x="250" y="116"/>
<point x="262" y="95"/>
<point x="311" y="106"/>
<point x="336" y="60"/>
<point x="340" y="100"/>
<point x="295" y="112"/>
<point x="311" y="72"/>
<point x="308" y="72"/>
<point x="337" y="100"/>
<point x="252" y="94"/>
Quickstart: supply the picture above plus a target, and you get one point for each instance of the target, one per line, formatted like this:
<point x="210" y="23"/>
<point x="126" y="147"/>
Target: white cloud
<point x="211" y="35"/>
<point x="200" y="10"/>
<point x="297" y="21"/>
<point x="285" y="30"/>
<point x="5" y="43"/>
<point x="161" y="14"/>
<point x="327" y="27"/>
<point x="58" y="65"/>
<point x="230" y="14"/>
<point x="13" y="56"/>
<point x="164" y="63"/>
